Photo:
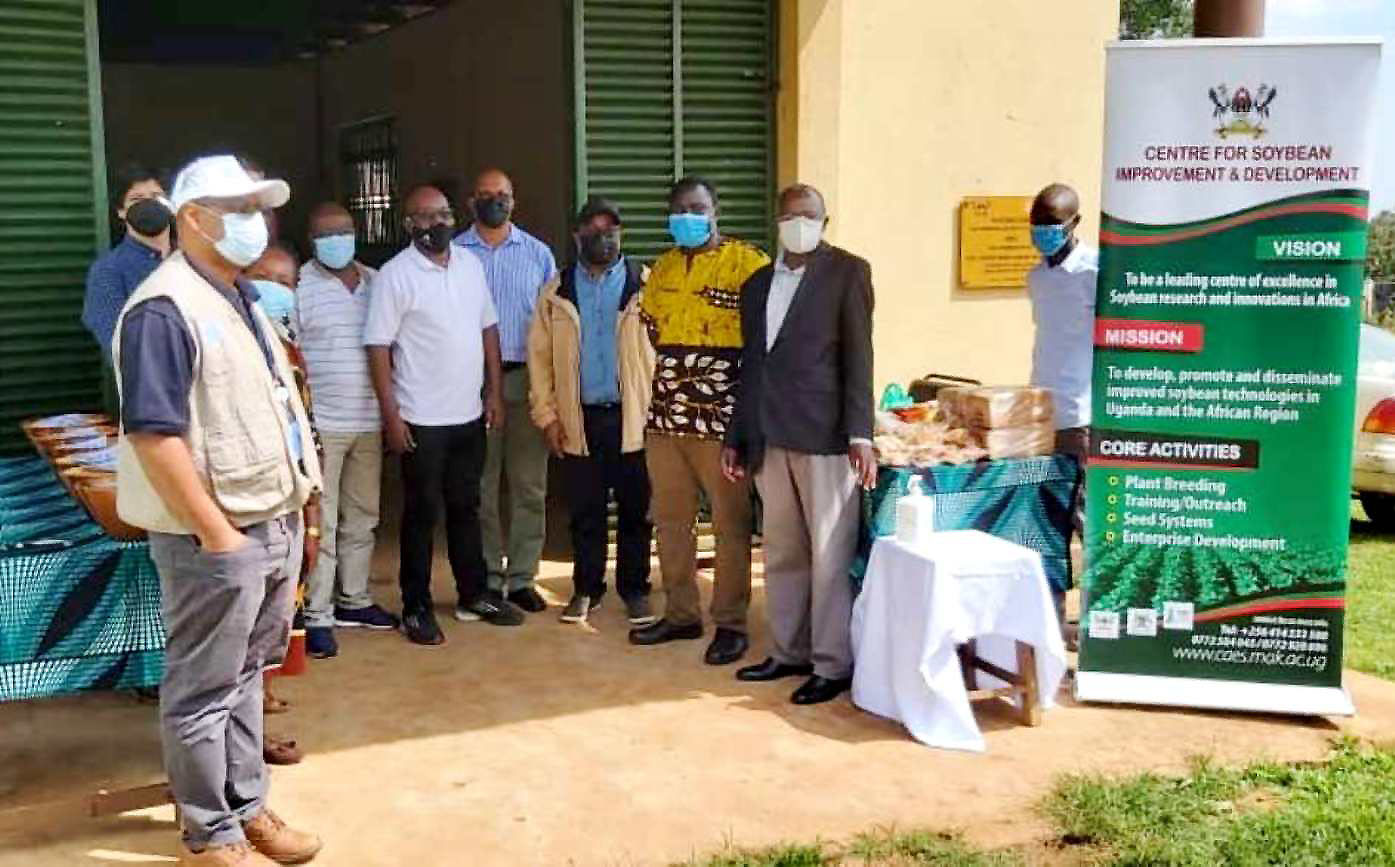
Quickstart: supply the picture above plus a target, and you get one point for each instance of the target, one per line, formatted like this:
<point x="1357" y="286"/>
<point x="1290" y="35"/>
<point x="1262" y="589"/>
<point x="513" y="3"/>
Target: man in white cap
<point x="216" y="461"/>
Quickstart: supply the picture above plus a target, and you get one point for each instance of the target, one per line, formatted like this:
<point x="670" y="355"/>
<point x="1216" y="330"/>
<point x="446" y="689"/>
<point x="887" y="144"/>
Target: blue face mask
<point x="276" y="300"/>
<point x="1050" y="239"/>
<point x="690" y="230"/>
<point x="335" y="251"/>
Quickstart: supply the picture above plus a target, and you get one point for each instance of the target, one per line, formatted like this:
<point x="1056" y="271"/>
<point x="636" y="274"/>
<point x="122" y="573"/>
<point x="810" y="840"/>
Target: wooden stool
<point x="1023" y="684"/>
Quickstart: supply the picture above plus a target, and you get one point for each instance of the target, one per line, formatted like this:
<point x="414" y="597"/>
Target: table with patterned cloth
<point x="78" y="609"/>
<point x="1025" y="501"/>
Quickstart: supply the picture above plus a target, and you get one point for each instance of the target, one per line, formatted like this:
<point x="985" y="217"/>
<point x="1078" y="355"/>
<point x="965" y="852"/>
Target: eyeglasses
<point x="225" y="206"/>
<point x="445" y="215"/>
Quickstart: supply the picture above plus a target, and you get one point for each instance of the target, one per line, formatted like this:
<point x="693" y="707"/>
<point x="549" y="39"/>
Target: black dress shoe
<point x="817" y="690"/>
<point x="421" y="627"/>
<point x="727" y="646"/>
<point x="663" y="632"/>
<point x="529" y="600"/>
<point x="772" y="670"/>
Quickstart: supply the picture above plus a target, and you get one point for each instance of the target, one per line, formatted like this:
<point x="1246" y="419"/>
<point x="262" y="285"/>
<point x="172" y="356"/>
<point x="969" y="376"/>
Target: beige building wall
<point x="898" y="109"/>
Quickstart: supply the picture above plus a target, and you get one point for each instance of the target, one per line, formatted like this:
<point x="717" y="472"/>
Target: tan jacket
<point x="554" y="363"/>
<point x="239" y="433"/>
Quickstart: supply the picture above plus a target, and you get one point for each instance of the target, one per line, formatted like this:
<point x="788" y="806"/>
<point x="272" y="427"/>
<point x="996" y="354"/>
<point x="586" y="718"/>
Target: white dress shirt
<point x="1063" y="308"/>
<point x="784" y="283"/>
<point x="434" y="319"/>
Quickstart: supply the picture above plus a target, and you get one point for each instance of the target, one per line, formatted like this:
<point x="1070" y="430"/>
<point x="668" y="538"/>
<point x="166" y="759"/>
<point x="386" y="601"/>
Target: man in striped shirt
<point x="331" y="309"/>
<point x="517" y="266"/>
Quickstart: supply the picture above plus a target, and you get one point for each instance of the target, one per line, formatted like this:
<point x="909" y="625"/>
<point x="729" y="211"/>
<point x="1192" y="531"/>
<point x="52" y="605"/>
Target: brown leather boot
<point x="232" y="855"/>
<point x="280" y="842"/>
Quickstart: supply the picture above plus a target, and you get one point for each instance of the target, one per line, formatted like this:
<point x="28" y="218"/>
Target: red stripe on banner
<point x="1266" y="607"/>
<point x="1115" y="238"/>
<point x="1151" y="336"/>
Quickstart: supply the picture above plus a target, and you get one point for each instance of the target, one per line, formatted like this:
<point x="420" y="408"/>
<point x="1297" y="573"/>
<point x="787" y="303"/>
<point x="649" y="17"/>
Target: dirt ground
<point x="561" y="745"/>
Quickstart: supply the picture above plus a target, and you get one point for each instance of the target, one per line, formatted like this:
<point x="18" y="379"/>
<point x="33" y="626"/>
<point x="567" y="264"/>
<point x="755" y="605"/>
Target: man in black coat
<point x="803" y="428"/>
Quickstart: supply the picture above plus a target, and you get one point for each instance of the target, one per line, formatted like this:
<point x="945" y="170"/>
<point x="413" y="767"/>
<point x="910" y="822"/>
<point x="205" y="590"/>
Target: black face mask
<point x="492" y="212"/>
<point x="433" y="239"/>
<point x="148" y="217"/>
<point x="599" y="249"/>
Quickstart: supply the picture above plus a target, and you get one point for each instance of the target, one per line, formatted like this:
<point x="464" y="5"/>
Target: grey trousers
<point x="811" y="520"/>
<point x="227" y="618"/>
<point x="353" y="468"/>
<point x="515" y="457"/>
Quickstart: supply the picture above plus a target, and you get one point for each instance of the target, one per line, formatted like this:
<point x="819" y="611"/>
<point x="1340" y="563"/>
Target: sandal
<point x="278" y="752"/>
<point x="272" y="704"/>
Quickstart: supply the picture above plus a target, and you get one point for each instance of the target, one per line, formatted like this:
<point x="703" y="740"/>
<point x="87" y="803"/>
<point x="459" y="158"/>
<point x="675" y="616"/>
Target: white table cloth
<point x="918" y="604"/>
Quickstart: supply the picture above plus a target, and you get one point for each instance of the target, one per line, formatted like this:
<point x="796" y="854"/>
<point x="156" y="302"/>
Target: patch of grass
<point x="786" y="855"/>
<point x="883" y="848"/>
<point x="888" y="847"/>
<point x="1338" y="812"/>
<point x="1370" y="642"/>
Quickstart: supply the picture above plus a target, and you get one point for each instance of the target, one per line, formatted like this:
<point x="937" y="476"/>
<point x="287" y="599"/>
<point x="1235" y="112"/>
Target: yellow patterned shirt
<point x="694" y="319"/>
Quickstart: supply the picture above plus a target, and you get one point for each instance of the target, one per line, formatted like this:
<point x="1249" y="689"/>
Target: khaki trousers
<point x="515" y="457"/>
<point x="810" y="533"/>
<point x="680" y="467"/>
<point x="353" y="469"/>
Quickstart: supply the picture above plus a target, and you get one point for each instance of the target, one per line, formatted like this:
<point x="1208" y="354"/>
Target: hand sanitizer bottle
<point x="915" y="515"/>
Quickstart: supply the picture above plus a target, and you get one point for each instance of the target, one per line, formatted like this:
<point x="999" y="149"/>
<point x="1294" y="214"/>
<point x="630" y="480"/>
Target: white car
<point x="1373" y="458"/>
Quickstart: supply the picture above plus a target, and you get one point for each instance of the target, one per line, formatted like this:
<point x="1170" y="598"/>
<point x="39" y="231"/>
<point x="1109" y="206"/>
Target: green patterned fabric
<point x="78" y="610"/>
<point x="1025" y="501"/>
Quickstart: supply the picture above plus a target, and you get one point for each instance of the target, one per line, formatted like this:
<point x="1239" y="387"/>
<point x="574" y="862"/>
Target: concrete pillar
<point x="1228" y="18"/>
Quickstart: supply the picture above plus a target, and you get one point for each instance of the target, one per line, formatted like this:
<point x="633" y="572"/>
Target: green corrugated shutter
<point x="727" y="99"/>
<point x="52" y="208"/>
<point x="632" y="89"/>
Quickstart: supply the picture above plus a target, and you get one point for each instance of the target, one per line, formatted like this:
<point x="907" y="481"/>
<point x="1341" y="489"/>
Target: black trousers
<point x="589" y="481"/>
<point x="446" y="464"/>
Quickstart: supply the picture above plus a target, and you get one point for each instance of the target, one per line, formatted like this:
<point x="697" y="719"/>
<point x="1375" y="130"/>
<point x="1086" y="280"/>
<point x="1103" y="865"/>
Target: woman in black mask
<point x="139" y="203"/>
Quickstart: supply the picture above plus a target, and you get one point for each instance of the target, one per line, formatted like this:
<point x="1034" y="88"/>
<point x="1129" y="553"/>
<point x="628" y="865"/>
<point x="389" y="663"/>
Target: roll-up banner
<point x="1232" y="247"/>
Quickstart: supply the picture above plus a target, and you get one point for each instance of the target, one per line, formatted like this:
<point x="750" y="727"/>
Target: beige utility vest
<point x="238" y="428"/>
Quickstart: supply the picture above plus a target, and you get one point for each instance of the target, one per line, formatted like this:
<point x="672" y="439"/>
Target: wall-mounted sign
<point x="995" y="245"/>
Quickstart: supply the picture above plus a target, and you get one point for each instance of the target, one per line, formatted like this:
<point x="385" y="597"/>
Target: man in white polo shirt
<point x="433" y="348"/>
<point x="331" y="309"/>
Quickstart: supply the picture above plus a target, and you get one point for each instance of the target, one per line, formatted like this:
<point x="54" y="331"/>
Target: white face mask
<point x="244" y="240"/>
<point x="800" y="234"/>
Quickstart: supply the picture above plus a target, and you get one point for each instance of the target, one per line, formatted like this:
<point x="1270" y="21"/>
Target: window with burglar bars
<point x="368" y="157"/>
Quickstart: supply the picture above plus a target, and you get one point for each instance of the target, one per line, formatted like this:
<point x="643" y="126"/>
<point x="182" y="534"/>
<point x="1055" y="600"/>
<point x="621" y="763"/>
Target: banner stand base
<point x="1236" y="695"/>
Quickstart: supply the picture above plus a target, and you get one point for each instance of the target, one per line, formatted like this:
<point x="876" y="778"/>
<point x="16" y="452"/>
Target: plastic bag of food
<point x="951" y="401"/>
<point x="894" y="397"/>
<point x="1008" y="406"/>
<point x="891" y="451"/>
<point x="1025" y="441"/>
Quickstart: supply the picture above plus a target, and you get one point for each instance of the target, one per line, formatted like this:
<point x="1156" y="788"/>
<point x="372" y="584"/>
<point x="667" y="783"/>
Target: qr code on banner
<point x="1143" y="621"/>
<point x="1178" y="615"/>
<point x="1104" y="624"/>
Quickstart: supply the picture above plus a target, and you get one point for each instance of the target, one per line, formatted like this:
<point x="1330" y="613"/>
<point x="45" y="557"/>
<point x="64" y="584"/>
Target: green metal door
<point x="666" y="88"/>
<point x="52" y="208"/>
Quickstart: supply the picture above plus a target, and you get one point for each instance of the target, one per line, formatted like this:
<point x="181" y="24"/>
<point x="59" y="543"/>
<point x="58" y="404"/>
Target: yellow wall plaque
<point x="995" y="245"/>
